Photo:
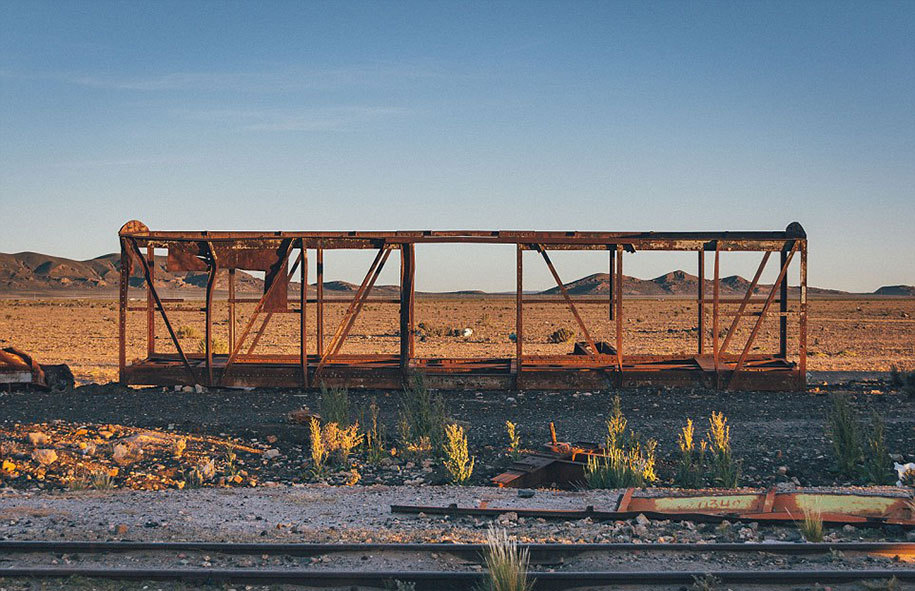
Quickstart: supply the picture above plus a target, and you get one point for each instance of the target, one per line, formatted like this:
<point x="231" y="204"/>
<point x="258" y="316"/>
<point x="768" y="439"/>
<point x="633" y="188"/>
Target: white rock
<point x="45" y="457"/>
<point x="36" y="438"/>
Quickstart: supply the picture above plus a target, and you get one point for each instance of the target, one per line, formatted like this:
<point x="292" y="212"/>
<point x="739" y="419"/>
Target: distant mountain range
<point x="29" y="272"/>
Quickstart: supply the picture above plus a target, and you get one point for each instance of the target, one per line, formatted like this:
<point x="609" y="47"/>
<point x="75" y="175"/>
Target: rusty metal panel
<point x="185" y="256"/>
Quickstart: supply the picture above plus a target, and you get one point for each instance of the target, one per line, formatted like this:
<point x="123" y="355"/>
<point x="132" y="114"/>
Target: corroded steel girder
<point x="324" y="363"/>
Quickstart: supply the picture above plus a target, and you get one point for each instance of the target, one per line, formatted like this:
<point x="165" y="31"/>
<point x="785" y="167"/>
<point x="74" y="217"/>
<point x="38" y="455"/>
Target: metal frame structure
<point x="600" y="366"/>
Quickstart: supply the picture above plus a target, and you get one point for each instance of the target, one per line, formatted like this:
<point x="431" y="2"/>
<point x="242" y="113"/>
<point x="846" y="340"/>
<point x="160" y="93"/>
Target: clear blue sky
<point x="363" y="115"/>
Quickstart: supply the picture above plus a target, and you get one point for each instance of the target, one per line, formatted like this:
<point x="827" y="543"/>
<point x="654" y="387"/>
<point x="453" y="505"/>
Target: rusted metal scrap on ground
<point x="18" y="368"/>
<point x="280" y="255"/>
<point x="863" y="508"/>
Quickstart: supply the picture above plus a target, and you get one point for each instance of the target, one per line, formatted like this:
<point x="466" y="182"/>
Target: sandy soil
<point x="844" y="334"/>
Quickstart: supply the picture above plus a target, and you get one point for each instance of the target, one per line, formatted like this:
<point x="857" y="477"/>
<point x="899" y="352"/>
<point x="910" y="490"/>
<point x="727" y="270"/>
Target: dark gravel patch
<point x="768" y="430"/>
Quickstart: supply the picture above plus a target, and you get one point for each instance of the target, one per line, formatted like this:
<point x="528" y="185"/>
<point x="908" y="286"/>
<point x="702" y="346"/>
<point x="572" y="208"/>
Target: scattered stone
<point x="641" y="519"/>
<point x="271" y="439"/>
<point x="120" y="529"/>
<point x="45" y="457"/>
<point x="782" y="470"/>
<point x="272" y="453"/>
<point x="37" y="439"/>
<point x="525" y="493"/>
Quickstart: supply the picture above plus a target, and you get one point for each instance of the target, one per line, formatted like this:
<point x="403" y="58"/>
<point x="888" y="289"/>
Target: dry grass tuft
<point x="811" y="526"/>
<point x="507" y="565"/>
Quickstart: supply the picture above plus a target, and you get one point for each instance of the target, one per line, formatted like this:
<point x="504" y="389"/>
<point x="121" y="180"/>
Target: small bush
<point x="622" y="468"/>
<point x="422" y="415"/>
<point x="897" y="378"/>
<point x="626" y="462"/>
<point x="877" y="465"/>
<point x="375" y="444"/>
<point x="99" y="479"/>
<point x="318" y="450"/>
<point x="187" y="332"/>
<point x="506" y="564"/>
<point x="846" y="439"/>
<point x="514" y="439"/>
<point x="220" y="346"/>
<point x="725" y="469"/>
<point x="562" y="335"/>
<point x="811" y="526"/>
<point x="339" y="443"/>
<point x="334" y="405"/>
<point x="691" y="463"/>
<point x="908" y="385"/>
<point x="457" y="459"/>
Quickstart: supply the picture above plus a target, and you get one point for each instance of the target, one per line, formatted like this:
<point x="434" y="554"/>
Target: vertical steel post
<point x="783" y="310"/>
<point x="123" y="286"/>
<point x="702" y="301"/>
<point x="231" y="309"/>
<point x="407" y="307"/>
<point x="619" y="309"/>
<point x="612" y="250"/>
<point x="303" y="314"/>
<point x="802" y="321"/>
<point x="150" y="304"/>
<point x="715" y="290"/>
<point x="519" y="314"/>
<point x="208" y="313"/>
<point x="319" y="305"/>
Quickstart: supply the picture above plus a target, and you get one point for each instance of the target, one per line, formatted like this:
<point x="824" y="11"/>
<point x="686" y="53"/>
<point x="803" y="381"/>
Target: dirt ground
<point x="844" y="334"/>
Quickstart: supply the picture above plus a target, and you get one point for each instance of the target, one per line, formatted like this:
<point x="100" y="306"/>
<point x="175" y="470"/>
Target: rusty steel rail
<point x="438" y="580"/>
<point x="537" y="551"/>
<point x="320" y="363"/>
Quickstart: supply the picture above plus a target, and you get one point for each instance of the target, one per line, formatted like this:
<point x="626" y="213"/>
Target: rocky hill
<point x="675" y="283"/>
<point x="896" y="290"/>
<point x="30" y="272"/>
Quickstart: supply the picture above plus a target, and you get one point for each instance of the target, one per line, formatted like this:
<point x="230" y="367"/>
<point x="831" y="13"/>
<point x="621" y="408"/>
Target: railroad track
<point x="453" y="579"/>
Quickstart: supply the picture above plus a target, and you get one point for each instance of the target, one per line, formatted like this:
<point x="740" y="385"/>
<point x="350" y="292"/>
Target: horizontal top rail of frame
<point x="549" y="239"/>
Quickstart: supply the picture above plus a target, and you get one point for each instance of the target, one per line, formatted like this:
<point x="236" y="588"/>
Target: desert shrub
<point x="339" y="442"/>
<point x="908" y="384"/>
<point x="219" y="345"/>
<point x="375" y="443"/>
<point x="422" y="416"/>
<point x="514" y="439"/>
<point x="334" y="405"/>
<point x="317" y="448"/>
<point x="506" y="564"/>
<point x="846" y="439"/>
<point x="725" y="469"/>
<point x="622" y="468"/>
<point x="187" y="332"/>
<point x="897" y="378"/>
<point x="691" y="463"/>
<point x="99" y="479"/>
<point x="457" y="459"/>
<point x="425" y="329"/>
<point x="562" y="335"/>
<point x="626" y="461"/>
<point x="877" y="465"/>
<point x="811" y="526"/>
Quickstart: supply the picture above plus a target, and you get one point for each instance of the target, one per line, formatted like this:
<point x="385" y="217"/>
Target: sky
<point x="569" y="115"/>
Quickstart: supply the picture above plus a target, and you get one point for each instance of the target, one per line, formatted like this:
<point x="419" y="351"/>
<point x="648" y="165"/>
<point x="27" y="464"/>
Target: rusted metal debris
<point x="859" y="508"/>
<point x="18" y="368"/>
<point x="592" y="365"/>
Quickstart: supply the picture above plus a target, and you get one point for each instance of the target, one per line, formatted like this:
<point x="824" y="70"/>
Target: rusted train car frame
<point x="601" y="365"/>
